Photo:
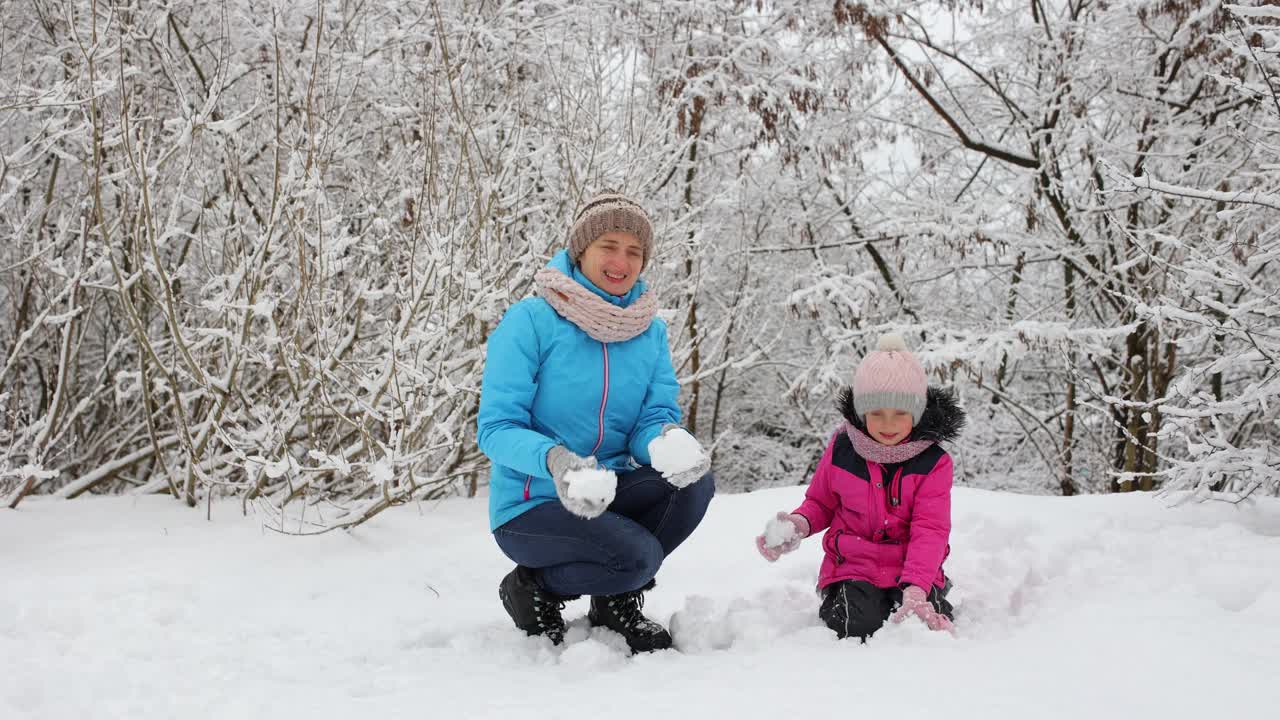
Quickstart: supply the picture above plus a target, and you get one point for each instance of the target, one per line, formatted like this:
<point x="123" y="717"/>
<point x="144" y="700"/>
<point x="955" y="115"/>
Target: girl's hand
<point x="915" y="602"/>
<point x="782" y="534"/>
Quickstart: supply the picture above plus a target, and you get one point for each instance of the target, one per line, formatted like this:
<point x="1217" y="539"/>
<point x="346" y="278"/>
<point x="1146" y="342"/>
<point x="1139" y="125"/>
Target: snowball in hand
<point x="779" y="531"/>
<point x="675" y="451"/>
<point x="595" y="485"/>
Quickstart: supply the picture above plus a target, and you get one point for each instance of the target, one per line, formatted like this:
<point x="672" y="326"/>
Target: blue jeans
<point x="617" y="552"/>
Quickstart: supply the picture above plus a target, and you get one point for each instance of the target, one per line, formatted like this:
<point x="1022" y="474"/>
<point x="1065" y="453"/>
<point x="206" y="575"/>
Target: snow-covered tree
<point x="255" y="249"/>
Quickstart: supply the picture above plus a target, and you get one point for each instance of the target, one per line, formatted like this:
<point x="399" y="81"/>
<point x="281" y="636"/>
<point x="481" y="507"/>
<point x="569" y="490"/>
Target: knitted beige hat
<point x="605" y="212"/>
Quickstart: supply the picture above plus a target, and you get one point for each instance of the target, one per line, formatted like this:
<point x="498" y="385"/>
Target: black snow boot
<point x="621" y="614"/>
<point x="534" y="610"/>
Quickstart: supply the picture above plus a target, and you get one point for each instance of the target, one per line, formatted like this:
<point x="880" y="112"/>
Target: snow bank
<point x="1109" y="607"/>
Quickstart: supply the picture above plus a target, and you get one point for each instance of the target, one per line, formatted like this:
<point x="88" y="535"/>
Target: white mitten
<point x="678" y="456"/>
<point x="585" y="489"/>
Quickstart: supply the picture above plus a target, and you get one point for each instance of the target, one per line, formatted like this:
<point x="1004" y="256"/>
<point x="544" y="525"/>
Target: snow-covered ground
<point x="1092" y="607"/>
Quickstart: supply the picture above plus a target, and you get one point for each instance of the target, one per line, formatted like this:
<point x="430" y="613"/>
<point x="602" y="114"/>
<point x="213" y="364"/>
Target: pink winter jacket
<point x="885" y="530"/>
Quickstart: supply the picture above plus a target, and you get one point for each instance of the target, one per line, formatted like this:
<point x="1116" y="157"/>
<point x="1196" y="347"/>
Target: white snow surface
<point x="594" y="484"/>
<point x="674" y="452"/>
<point x="1085" y="607"/>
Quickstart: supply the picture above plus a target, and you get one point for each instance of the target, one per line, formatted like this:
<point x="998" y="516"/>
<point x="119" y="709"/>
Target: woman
<point x="577" y="408"/>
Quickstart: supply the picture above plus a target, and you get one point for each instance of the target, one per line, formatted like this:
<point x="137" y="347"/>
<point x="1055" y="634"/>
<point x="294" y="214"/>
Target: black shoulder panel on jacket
<point x="923" y="463"/>
<point x="846" y="458"/>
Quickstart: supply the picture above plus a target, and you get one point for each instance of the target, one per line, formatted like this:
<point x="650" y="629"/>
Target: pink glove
<point x="782" y="535"/>
<point x="916" y="602"/>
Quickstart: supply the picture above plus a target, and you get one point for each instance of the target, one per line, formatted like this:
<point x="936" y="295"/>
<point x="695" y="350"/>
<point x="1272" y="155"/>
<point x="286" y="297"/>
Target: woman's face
<point x="613" y="262"/>
<point x="889" y="426"/>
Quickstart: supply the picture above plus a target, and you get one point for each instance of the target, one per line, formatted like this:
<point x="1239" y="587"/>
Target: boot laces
<point x="627" y="608"/>
<point x="547" y="612"/>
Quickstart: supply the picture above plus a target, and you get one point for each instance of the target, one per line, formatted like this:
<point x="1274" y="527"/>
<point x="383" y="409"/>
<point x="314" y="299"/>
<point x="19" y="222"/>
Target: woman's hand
<point x="782" y="534"/>
<point x="584" y="488"/>
<point x="678" y="456"/>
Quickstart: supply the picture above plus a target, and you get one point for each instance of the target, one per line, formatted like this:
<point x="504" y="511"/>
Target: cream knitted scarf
<point x="597" y="317"/>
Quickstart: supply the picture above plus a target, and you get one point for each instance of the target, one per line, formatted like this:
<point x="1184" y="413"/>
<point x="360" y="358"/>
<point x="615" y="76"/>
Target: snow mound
<point x="401" y="615"/>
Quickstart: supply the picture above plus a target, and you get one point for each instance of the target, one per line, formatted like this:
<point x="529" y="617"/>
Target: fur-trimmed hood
<point x="942" y="419"/>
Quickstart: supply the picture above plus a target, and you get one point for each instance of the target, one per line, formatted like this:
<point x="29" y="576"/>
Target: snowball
<point x="675" y="451"/>
<point x="779" y="532"/>
<point x="596" y="485"/>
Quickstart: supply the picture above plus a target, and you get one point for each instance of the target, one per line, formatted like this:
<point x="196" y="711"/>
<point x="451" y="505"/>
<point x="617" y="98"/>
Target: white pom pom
<point x="891" y="342"/>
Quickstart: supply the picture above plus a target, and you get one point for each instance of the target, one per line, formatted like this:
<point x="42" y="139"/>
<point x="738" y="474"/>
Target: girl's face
<point x="889" y="426"/>
<point x="613" y="262"/>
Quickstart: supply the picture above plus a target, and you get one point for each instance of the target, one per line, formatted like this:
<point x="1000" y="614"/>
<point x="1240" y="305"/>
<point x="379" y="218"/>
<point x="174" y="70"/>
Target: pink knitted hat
<point x="890" y="377"/>
<point x="607" y="211"/>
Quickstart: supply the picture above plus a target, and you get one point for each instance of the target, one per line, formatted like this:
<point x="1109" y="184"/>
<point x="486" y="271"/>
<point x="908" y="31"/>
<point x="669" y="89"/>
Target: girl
<point x="593" y="482"/>
<point x="882" y="491"/>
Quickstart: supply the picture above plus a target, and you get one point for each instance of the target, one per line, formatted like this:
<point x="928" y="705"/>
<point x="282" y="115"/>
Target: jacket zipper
<point x="891" y="499"/>
<point x="604" y="398"/>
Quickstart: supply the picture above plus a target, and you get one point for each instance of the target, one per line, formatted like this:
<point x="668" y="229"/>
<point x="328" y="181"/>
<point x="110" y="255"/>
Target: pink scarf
<point x="884" y="454"/>
<point x="597" y="317"/>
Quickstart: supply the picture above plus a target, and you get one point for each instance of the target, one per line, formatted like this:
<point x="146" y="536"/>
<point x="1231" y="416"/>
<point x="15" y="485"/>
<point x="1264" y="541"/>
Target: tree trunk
<point x="691" y="318"/>
<point x="1068" y="483"/>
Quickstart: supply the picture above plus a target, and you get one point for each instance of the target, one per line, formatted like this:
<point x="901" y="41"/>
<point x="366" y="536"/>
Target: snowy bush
<point x="255" y="249"/>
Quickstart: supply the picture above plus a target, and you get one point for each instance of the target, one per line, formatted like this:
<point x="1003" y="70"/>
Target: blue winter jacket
<point x="547" y="383"/>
